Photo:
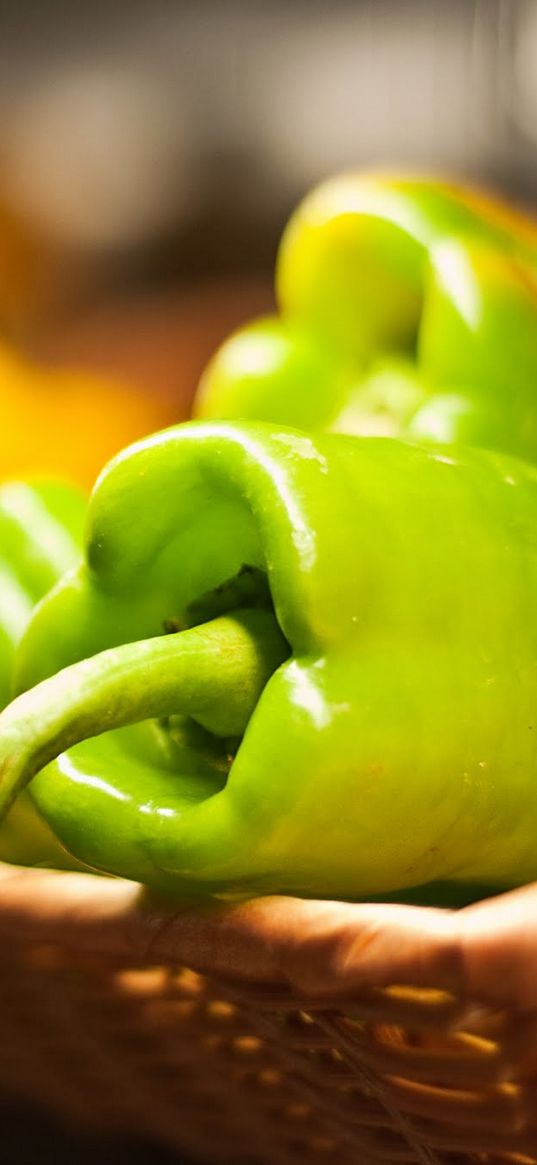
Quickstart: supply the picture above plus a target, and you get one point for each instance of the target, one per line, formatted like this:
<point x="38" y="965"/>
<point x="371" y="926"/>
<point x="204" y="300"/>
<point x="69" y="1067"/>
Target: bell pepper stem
<point x="213" y="673"/>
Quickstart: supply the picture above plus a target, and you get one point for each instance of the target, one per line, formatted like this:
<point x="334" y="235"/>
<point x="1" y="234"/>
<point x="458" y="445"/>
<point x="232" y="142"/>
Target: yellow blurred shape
<point x="64" y="422"/>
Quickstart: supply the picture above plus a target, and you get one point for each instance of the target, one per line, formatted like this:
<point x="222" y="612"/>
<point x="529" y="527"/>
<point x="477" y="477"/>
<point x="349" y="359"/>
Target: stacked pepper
<point x="407" y="308"/>
<point x="308" y="663"/>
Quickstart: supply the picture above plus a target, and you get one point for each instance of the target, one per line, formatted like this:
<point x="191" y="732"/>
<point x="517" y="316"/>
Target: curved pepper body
<point x="395" y="746"/>
<point x="353" y="260"/>
<point x="417" y="304"/>
<point x="40" y="538"/>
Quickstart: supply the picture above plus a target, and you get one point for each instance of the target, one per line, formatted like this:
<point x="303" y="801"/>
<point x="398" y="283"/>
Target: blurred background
<point x="150" y="153"/>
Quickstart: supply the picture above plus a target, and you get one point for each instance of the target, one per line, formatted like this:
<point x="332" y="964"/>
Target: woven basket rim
<point x="323" y="951"/>
<point x="427" y="1016"/>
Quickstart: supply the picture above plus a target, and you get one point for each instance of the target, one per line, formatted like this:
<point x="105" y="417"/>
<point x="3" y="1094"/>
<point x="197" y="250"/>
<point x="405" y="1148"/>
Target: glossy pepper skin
<point x="40" y="538"/>
<point x="389" y="738"/>
<point x="408" y="307"/>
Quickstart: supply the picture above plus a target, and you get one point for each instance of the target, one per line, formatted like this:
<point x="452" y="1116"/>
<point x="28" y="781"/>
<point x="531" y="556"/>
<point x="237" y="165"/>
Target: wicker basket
<point x="277" y="1031"/>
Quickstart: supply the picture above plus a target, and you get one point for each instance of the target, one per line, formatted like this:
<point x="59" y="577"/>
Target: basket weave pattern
<point x="251" y="1034"/>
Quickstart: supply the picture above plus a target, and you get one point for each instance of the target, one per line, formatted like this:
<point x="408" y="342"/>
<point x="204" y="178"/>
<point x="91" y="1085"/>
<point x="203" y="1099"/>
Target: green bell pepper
<point x="408" y="307"/>
<point x="326" y="649"/>
<point x="40" y="538"/>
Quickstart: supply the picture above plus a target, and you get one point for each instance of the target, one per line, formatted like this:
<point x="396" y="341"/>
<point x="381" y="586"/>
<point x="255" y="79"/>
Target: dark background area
<point x="29" y="1136"/>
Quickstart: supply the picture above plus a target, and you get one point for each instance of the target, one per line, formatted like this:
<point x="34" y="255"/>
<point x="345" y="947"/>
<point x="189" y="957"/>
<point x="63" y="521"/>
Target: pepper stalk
<point x="213" y="673"/>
